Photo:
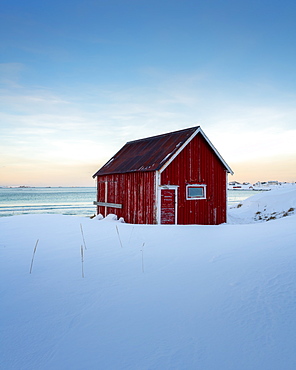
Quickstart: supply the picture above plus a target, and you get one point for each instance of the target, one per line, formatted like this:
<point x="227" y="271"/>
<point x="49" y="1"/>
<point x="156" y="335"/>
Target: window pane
<point x="194" y="192"/>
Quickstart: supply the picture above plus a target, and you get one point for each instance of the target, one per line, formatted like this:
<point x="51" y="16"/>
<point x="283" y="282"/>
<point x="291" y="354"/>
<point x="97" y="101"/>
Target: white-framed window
<point x="196" y="191"/>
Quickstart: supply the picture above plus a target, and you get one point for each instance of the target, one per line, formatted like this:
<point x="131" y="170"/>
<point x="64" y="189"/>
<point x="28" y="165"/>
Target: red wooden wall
<point x="198" y="164"/>
<point x="134" y="190"/>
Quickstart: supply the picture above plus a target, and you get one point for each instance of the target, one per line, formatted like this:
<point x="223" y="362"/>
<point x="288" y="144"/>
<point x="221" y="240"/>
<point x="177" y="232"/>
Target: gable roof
<point x="153" y="153"/>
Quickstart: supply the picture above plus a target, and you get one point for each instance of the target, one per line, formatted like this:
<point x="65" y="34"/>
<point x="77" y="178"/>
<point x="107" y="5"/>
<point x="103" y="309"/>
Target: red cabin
<point x="174" y="178"/>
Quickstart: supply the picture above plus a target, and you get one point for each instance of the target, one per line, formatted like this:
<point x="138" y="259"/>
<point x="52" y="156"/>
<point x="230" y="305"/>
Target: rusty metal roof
<point x="148" y="154"/>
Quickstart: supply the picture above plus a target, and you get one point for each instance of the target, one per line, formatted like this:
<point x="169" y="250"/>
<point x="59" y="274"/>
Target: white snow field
<point x="152" y="297"/>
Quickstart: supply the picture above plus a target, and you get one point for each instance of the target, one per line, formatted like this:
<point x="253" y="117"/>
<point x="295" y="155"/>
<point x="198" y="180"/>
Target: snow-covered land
<point x="152" y="297"/>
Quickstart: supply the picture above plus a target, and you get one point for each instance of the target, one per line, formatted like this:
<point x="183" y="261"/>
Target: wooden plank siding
<point x="135" y="191"/>
<point x="198" y="164"/>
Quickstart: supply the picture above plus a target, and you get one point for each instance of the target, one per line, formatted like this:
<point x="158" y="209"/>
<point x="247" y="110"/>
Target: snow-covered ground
<point x="152" y="297"/>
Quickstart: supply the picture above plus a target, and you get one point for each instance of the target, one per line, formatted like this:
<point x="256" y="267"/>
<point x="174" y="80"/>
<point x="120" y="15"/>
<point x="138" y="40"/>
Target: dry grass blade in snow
<point x="119" y="236"/>
<point x="82" y="236"/>
<point x="82" y="260"/>
<point x="142" y="250"/>
<point x="33" y="256"/>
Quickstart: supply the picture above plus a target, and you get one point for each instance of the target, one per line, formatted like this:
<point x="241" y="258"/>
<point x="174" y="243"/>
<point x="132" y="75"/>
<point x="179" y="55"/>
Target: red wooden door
<point x="168" y="206"/>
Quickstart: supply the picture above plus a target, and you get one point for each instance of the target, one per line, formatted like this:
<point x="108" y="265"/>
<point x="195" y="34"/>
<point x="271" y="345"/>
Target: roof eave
<point x="229" y="170"/>
<point x="197" y="131"/>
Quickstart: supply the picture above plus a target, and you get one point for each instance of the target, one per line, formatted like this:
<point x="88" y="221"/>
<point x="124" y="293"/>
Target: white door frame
<point x="166" y="187"/>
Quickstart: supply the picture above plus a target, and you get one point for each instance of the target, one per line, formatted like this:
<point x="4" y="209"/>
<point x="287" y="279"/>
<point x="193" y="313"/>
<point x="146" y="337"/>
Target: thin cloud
<point x="10" y="74"/>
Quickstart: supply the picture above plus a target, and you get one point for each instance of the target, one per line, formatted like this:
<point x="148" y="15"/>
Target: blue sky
<point x="80" y="78"/>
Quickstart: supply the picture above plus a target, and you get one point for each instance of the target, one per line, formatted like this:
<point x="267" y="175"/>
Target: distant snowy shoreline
<point x="259" y="186"/>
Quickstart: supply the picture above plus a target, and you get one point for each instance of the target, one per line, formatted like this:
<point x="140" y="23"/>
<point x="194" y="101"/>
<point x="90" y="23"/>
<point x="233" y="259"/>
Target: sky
<point x="78" y="79"/>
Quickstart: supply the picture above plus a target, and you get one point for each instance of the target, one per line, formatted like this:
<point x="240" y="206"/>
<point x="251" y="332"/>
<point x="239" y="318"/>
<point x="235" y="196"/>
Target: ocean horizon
<point x="74" y="200"/>
<point x="68" y="200"/>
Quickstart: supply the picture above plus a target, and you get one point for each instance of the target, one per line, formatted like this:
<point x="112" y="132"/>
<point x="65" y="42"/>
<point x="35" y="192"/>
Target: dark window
<point x="195" y="192"/>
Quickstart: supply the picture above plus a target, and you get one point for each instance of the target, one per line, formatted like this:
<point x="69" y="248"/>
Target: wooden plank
<point x="105" y="204"/>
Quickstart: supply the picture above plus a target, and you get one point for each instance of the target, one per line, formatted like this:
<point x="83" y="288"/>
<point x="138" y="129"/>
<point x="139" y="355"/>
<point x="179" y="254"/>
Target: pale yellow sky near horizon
<point x="34" y="172"/>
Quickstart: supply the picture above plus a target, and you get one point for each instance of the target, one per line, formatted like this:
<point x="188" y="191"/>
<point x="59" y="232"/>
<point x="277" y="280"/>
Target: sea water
<point x="66" y="200"/>
<point x="234" y="197"/>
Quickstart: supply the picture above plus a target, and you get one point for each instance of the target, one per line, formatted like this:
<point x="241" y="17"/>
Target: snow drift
<point x="153" y="297"/>
<point x="266" y="206"/>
